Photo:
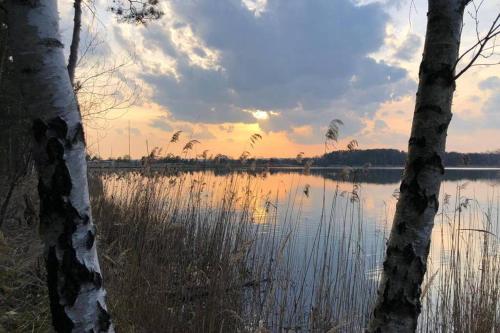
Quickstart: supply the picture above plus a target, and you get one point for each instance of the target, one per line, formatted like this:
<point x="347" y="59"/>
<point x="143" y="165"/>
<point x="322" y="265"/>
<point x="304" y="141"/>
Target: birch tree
<point x="398" y="302"/>
<point x="75" y="40"/>
<point x="77" y="296"/>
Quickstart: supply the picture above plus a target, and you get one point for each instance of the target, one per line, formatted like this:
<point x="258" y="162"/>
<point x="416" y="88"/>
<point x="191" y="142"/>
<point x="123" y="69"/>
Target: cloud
<point x="123" y="131"/>
<point x="491" y="111"/>
<point x="305" y="61"/>
<point x="135" y="131"/>
<point x="380" y="125"/>
<point x="161" y="124"/>
<point x="227" y="128"/>
<point x="408" y="49"/>
<point x="255" y="6"/>
<point x="491" y="83"/>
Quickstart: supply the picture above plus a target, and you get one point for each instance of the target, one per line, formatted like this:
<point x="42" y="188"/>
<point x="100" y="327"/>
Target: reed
<point x="192" y="252"/>
<point x="462" y="288"/>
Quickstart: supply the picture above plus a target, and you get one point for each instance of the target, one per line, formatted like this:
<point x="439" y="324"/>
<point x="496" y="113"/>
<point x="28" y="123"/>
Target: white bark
<point x="73" y="272"/>
<point x="398" y="304"/>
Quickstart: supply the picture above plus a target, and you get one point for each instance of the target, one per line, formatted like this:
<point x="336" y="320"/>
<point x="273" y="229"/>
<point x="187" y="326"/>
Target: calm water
<point x="331" y="225"/>
<point x="342" y="222"/>
<point x="308" y="200"/>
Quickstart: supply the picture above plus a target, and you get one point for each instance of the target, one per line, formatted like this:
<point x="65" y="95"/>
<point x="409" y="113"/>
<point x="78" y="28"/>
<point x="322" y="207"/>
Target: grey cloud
<point x="491" y="111"/>
<point x="124" y="131"/>
<point x="408" y="49"/>
<point x="227" y="128"/>
<point x="490" y="117"/>
<point x="161" y="124"/>
<point x="380" y="125"/>
<point x="155" y="36"/>
<point x="491" y="83"/>
<point x="296" y="53"/>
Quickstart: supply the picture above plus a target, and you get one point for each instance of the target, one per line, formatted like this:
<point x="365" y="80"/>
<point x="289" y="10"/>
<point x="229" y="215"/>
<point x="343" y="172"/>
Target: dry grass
<point x="24" y="302"/>
<point x="171" y="265"/>
<point x="177" y="258"/>
<point x="464" y="289"/>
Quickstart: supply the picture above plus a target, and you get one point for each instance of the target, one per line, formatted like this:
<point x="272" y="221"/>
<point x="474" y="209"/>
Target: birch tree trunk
<point x="75" y="40"/>
<point x="77" y="297"/>
<point x="398" y="303"/>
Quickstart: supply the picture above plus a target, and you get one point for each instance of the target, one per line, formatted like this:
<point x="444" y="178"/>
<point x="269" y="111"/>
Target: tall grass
<point x="174" y="260"/>
<point x="183" y="253"/>
<point x="24" y="300"/>
<point x="462" y="290"/>
<point x="198" y="253"/>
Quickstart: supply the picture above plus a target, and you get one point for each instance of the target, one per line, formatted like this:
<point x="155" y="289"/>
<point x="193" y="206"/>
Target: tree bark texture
<point x="75" y="40"/>
<point x="77" y="297"/>
<point x="398" y="302"/>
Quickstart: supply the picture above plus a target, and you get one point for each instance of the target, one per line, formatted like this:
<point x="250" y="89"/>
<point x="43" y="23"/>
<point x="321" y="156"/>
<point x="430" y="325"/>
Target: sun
<point x="260" y="115"/>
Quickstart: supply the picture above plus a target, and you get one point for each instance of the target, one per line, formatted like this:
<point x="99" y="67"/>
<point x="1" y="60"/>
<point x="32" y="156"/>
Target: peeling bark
<point x="77" y="297"/>
<point x="398" y="303"/>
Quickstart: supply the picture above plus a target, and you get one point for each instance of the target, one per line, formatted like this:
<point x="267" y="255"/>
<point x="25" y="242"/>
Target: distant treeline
<point x="355" y="158"/>
<point x="393" y="157"/>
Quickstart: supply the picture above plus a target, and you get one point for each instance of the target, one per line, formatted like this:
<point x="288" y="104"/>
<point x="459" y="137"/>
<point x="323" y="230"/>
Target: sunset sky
<point x="221" y="70"/>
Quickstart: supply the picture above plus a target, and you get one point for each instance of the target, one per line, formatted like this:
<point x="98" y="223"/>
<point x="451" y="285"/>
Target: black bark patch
<point x="401" y="227"/>
<point x="55" y="150"/>
<point x="76" y="274"/>
<point x="396" y="302"/>
<point x="72" y="271"/>
<point x="463" y="4"/>
<point x="435" y="160"/>
<point x="29" y="70"/>
<point x="415" y="195"/>
<point x="390" y="250"/>
<point x="428" y="247"/>
<point x="60" y="320"/>
<point x="79" y="135"/>
<point x="52" y="42"/>
<point x="444" y="75"/>
<point x="39" y="129"/>
<point x="97" y="280"/>
<point x="409" y="253"/>
<point x="104" y="319"/>
<point x="435" y="202"/>
<point x="386" y="265"/>
<point x="416" y="291"/>
<point x="433" y="108"/>
<point x="410" y="186"/>
<point x="30" y="3"/>
<point x="442" y="128"/>
<point x="89" y="242"/>
<point x="61" y="180"/>
<point x="59" y="126"/>
<point x="421" y="268"/>
<point x="66" y="237"/>
<point x="417" y="141"/>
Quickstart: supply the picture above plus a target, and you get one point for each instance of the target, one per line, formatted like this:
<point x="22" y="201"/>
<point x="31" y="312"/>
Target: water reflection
<point x="325" y="231"/>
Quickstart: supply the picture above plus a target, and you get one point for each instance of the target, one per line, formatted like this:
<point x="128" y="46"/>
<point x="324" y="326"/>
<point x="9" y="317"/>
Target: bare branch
<point x="482" y="44"/>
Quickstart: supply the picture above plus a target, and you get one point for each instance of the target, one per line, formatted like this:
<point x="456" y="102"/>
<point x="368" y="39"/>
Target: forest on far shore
<point x="393" y="157"/>
<point x="381" y="157"/>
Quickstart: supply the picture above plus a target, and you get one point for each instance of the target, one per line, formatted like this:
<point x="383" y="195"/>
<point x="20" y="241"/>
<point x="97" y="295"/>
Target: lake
<point x="321" y="234"/>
